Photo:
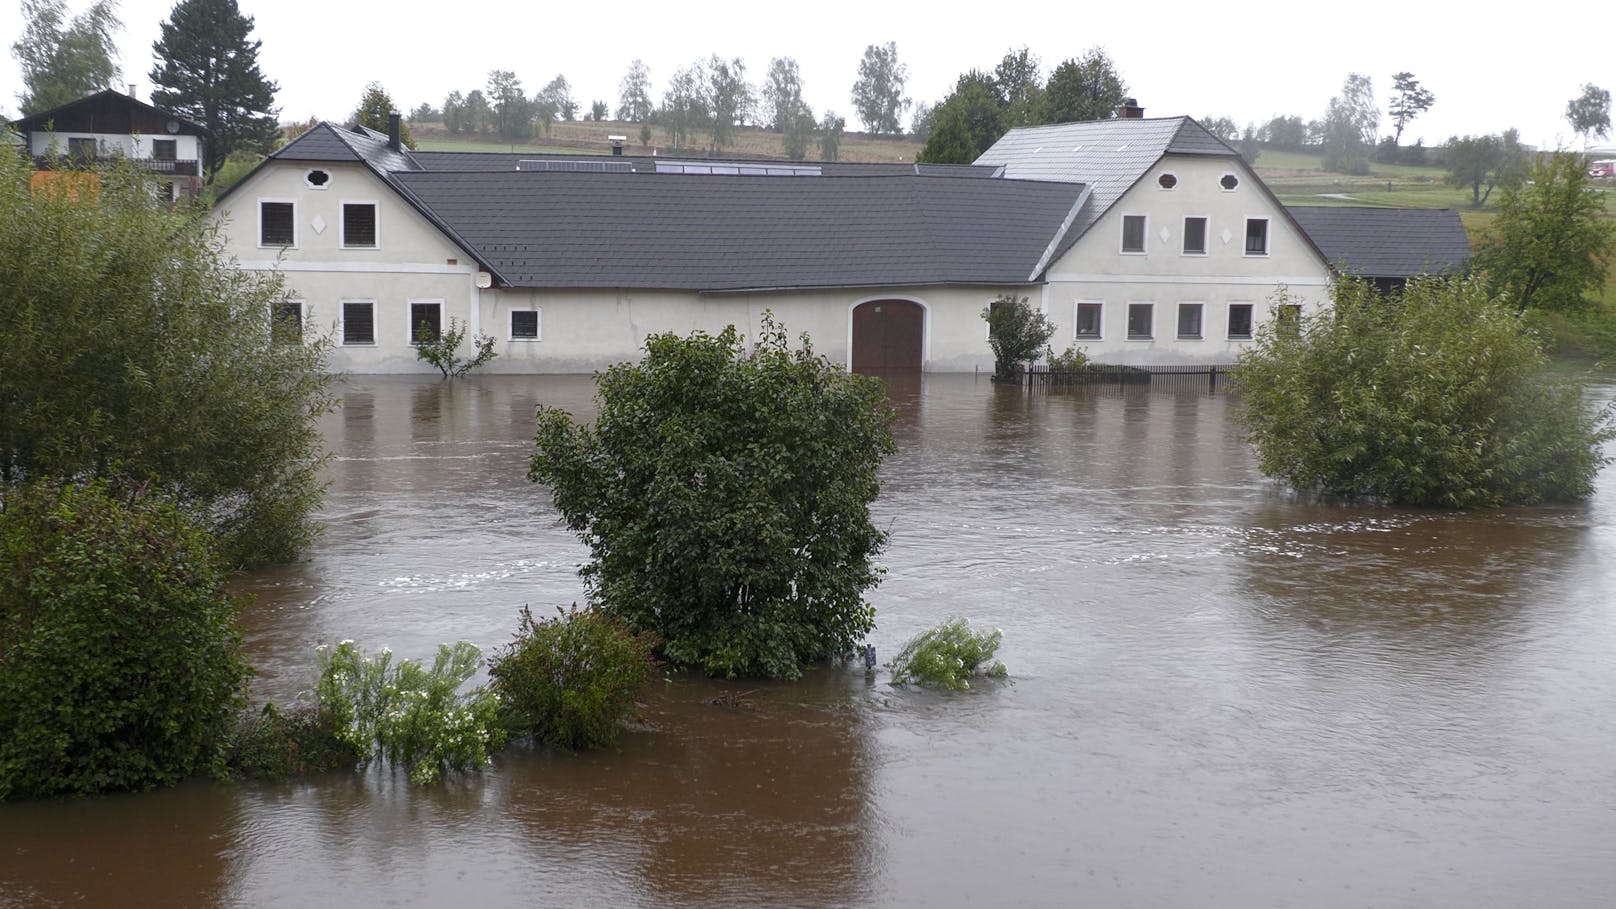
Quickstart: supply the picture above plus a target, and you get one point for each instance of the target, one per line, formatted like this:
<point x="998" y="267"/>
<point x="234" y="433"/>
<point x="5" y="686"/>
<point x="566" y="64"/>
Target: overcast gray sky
<point x="1491" y="66"/>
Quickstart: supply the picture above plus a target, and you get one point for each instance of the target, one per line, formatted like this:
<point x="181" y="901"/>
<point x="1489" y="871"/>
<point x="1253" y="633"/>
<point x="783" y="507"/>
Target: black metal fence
<point x="1210" y="377"/>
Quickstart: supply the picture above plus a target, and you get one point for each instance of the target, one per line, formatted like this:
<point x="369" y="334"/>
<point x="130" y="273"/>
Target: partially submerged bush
<point x="570" y="681"/>
<point x="725" y="498"/>
<point x="1437" y="395"/>
<point x="412" y="716"/>
<point x="120" y="664"/>
<point x="948" y="656"/>
<point x="1017" y="333"/>
<point x="275" y="744"/>
<point x="1071" y="361"/>
<point x="443" y="349"/>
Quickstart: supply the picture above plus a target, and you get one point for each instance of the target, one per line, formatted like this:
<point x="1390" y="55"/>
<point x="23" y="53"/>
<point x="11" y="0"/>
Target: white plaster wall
<point x="582" y="331"/>
<point x="185" y="147"/>
<point x="1097" y="271"/>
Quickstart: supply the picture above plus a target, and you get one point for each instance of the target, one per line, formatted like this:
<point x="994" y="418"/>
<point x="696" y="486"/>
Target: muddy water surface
<point x="1222" y="695"/>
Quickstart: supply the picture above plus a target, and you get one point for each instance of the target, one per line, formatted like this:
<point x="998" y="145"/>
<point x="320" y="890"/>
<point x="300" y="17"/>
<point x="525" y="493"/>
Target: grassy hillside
<point x="587" y="137"/>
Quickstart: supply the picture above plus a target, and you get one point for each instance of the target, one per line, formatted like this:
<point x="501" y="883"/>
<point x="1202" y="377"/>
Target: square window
<point x="359" y="224"/>
<point x="425" y="322"/>
<point x="1133" y="233"/>
<point x="164" y="149"/>
<point x="358" y="322"/>
<point x="1256" y="236"/>
<point x="1140" y="317"/>
<point x="1088" y="320"/>
<point x="286" y="325"/>
<point x="524" y="325"/>
<point x="1194" y="236"/>
<point x="1189" y="321"/>
<point x="275" y="224"/>
<point x="82" y="149"/>
<point x="1240" y="321"/>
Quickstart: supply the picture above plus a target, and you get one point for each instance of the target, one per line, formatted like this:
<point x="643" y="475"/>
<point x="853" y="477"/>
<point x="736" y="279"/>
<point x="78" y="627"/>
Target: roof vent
<point x="617" y="144"/>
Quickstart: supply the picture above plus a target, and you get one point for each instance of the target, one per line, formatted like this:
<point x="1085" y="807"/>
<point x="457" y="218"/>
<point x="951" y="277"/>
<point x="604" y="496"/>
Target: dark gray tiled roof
<point x="449" y="161"/>
<point x="1109" y="155"/>
<point x="1386" y="242"/>
<point x="324" y="142"/>
<point x="714" y="233"/>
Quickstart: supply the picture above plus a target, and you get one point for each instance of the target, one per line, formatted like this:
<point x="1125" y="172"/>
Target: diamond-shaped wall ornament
<point x="319" y="225"/>
<point x="1165" y="236"/>
<point x="1226" y="236"/>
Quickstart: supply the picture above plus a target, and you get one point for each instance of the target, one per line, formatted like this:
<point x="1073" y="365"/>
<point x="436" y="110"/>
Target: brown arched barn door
<point x="888" y="334"/>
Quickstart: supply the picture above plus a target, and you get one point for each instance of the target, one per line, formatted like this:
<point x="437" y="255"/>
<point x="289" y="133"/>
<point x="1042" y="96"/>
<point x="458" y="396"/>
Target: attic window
<point x="358" y="225"/>
<point x="1229" y="182"/>
<point x="318" y="179"/>
<point x="1167" y="181"/>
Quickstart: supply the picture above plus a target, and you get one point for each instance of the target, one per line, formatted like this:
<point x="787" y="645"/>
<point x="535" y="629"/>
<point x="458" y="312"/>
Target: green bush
<point x="1437" y="395"/>
<point x="120" y="664"/>
<point x="132" y="350"/>
<point x="948" y="656"/>
<point x="1017" y="333"/>
<point x="1073" y="360"/>
<point x="570" y="681"/>
<point x="274" y="744"/>
<point x="411" y="716"/>
<point x="443" y="350"/>
<point x="725" y="498"/>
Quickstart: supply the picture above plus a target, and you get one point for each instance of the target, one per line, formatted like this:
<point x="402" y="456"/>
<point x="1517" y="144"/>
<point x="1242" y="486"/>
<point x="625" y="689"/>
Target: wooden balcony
<point x="180" y="168"/>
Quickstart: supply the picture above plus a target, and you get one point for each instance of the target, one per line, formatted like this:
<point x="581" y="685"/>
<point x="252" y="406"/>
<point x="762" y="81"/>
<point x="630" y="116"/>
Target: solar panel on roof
<point x="577" y="167"/>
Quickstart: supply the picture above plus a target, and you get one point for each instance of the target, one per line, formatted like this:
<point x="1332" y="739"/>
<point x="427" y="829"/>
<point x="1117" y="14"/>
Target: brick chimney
<point x="395" y="136"/>
<point x="1129" y="109"/>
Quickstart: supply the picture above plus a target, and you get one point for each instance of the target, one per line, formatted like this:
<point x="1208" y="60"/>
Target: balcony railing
<point x="183" y="167"/>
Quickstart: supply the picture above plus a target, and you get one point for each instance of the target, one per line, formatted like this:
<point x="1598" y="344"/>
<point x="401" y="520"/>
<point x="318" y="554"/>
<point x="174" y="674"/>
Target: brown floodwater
<point x="1221" y="694"/>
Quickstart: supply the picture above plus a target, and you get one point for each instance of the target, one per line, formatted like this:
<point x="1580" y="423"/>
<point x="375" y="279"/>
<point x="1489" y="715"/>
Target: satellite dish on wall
<point x="173" y="127"/>
<point x="484" y="280"/>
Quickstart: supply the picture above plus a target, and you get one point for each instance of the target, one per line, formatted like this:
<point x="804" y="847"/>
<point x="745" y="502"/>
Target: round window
<point x="1167" y="181"/>
<point x="1229" y="181"/>
<point x="318" y="178"/>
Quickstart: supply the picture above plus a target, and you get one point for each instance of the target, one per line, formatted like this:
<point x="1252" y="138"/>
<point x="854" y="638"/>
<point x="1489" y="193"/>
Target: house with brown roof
<point x="112" y="126"/>
<point x="1146" y="241"/>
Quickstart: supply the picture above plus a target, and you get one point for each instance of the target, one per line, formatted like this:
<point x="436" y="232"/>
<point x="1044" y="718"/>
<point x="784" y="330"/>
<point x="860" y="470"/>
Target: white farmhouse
<point x="1147" y="242"/>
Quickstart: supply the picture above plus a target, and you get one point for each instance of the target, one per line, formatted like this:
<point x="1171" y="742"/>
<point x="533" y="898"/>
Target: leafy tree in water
<point x="1086" y="88"/>
<point x="132" y="351"/>
<point x="375" y="108"/>
<point x="725" y="498"/>
<point x="1017" y="333"/>
<point x="634" y="94"/>
<point x="878" y="93"/>
<point x="1550" y="244"/>
<point x="1409" y="100"/>
<point x="120" y="664"/>
<point x="62" y="61"/>
<point x="442" y="349"/>
<point x="966" y="123"/>
<point x="1434" y="396"/>
<point x="1589" y="113"/>
<point x="207" y="71"/>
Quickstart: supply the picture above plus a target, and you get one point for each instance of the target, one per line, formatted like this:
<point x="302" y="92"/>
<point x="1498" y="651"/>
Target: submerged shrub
<point x="948" y="656"/>
<point x="570" y="681"/>
<point x="275" y="744"/>
<point x="1437" y="395"/>
<point x="411" y="716"/>
<point x="120" y="664"/>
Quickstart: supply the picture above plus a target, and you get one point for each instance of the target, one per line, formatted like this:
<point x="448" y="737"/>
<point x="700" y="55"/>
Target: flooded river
<point x="1221" y="695"/>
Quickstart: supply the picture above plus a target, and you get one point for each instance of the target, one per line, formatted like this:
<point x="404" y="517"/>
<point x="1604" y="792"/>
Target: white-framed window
<point x="1239" y="321"/>
<point x="83" y="149"/>
<point x="1167" y="181"/>
<point x="526" y="324"/>
<point x="277" y="222"/>
<point x="1256" y="236"/>
<point x="1229" y="182"/>
<point x="286" y="321"/>
<point x="359" y="225"/>
<point x="358" y="323"/>
<point x="165" y="149"/>
<point x="1133" y="233"/>
<point x="317" y="179"/>
<point x="1141" y="321"/>
<point x="425" y="316"/>
<point x="1195" y="235"/>
<point x="1189" y="321"/>
<point x="1089" y="321"/>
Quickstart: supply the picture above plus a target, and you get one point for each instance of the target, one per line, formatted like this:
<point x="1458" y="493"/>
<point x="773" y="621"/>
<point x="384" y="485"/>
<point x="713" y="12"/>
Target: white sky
<point x="1491" y="67"/>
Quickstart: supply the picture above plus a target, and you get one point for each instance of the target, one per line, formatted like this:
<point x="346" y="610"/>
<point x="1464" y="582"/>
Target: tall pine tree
<point x="207" y="71"/>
